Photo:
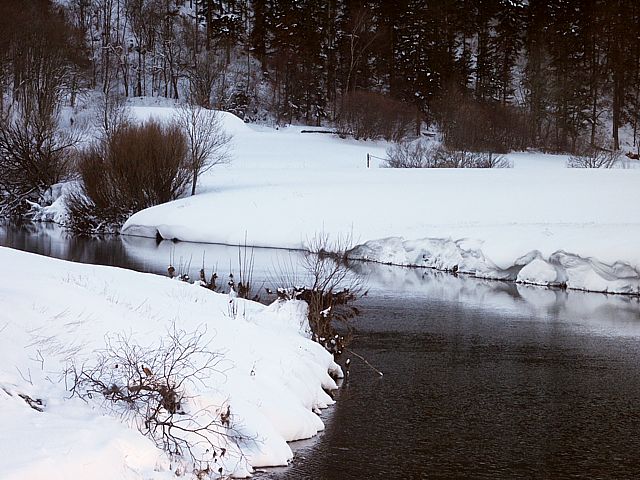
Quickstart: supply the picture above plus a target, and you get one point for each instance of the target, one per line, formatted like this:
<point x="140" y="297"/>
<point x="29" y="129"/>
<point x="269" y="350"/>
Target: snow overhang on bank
<point x="559" y="268"/>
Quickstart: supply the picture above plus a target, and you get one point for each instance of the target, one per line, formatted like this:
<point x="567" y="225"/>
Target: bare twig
<point x="150" y="386"/>
<point x="365" y="361"/>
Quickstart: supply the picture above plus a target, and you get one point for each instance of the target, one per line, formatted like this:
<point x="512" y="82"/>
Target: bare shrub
<point x="416" y="154"/>
<point x="466" y="159"/>
<point x="152" y="387"/>
<point x="34" y="155"/>
<point x="330" y="290"/>
<point x="468" y="124"/>
<point x="135" y="167"/>
<point x="428" y="154"/>
<point x="594" y="156"/>
<point x="246" y="258"/>
<point x="207" y="141"/>
<point x="367" y="115"/>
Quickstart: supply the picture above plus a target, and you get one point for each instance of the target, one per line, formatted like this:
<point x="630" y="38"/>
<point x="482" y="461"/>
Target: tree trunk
<point x="195" y="182"/>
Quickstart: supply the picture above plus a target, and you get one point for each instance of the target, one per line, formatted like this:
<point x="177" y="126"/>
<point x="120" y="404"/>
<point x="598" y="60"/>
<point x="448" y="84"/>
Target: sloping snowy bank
<point x="53" y="313"/>
<point x="538" y="222"/>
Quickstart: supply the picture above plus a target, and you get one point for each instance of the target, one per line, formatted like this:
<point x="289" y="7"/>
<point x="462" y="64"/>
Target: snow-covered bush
<point x="134" y="167"/>
<point x="428" y="154"/>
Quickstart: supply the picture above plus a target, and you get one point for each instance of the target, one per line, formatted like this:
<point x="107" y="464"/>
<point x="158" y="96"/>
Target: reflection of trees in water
<point x="54" y="241"/>
<point x="42" y="238"/>
<point x="188" y="257"/>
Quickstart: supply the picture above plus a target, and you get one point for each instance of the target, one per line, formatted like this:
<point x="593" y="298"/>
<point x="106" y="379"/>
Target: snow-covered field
<point x="538" y="222"/>
<point x="271" y="378"/>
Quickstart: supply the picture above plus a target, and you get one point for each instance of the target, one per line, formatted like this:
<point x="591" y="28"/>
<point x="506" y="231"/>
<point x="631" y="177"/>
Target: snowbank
<point x="229" y="121"/>
<point x="538" y="222"/>
<point x="54" y="312"/>
<point x="556" y="269"/>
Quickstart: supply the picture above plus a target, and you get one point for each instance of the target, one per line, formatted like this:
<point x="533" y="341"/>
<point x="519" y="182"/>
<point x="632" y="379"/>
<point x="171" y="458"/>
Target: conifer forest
<point x="510" y="74"/>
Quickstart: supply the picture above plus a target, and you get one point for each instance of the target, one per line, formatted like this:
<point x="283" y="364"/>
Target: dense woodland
<point x="542" y="74"/>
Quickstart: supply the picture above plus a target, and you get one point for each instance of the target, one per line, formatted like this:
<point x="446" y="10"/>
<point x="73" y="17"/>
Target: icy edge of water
<point x="560" y="269"/>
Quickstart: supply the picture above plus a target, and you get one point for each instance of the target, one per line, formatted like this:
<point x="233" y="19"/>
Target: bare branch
<point x="150" y="387"/>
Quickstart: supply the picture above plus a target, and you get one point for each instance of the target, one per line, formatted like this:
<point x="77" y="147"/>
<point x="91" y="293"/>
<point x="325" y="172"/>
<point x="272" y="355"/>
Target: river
<point x="481" y="379"/>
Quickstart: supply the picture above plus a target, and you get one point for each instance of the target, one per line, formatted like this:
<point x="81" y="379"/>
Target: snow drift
<point x="561" y="269"/>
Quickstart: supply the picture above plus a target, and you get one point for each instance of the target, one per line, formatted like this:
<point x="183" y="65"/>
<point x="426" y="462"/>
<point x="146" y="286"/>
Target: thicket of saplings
<point x="372" y="116"/>
<point x="423" y="153"/>
<point x="330" y="290"/>
<point x="475" y="134"/>
<point x="429" y="154"/>
<point x="597" y="155"/>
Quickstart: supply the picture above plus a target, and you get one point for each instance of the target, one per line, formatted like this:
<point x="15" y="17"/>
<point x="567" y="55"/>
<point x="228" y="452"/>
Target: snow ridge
<point x="560" y="269"/>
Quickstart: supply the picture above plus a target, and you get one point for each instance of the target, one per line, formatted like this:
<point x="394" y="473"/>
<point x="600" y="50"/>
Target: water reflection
<point x="148" y="255"/>
<point x="483" y="379"/>
<point x="597" y="312"/>
<point x="602" y="313"/>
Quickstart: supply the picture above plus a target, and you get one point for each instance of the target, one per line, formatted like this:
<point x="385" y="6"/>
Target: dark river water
<point x="481" y="379"/>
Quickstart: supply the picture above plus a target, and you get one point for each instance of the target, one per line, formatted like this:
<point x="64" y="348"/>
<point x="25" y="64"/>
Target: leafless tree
<point x="111" y="112"/>
<point x="208" y="143"/>
<point x="39" y="66"/>
<point x="203" y="75"/>
<point x="361" y="37"/>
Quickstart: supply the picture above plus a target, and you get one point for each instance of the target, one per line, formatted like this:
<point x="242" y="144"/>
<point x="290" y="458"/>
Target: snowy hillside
<point x="539" y="222"/>
<point x="269" y="379"/>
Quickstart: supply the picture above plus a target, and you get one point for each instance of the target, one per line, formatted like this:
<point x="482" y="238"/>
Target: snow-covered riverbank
<point x="271" y="377"/>
<point x="538" y="222"/>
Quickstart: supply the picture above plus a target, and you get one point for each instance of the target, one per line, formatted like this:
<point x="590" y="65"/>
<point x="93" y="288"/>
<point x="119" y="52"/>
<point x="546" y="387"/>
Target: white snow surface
<point x="272" y="377"/>
<point x="539" y="222"/>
